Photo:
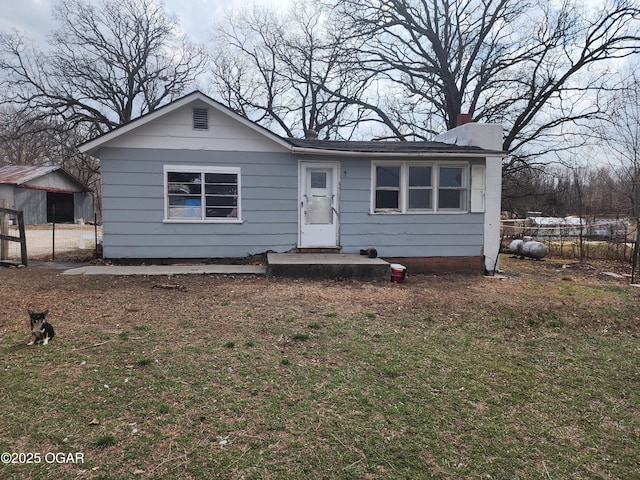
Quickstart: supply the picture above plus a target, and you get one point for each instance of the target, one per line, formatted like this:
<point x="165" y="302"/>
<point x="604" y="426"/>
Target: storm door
<point x="319" y="204"/>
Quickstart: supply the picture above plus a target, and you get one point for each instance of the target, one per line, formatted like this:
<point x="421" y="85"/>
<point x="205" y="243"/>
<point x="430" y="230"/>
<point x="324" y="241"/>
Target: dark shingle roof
<point x="388" y="147"/>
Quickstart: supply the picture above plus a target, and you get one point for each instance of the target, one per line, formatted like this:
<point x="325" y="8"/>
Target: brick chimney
<point x="463" y="118"/>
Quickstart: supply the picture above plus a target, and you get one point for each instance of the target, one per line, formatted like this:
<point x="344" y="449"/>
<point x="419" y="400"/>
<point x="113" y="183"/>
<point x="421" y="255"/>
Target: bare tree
<point x="24" y="140"/>
<point x="296" y="73"/>
<point x="105" y="64"/>
<point x="535" y="67"/>
<point x="622" y="135"/>
<point x="605" y="195"/>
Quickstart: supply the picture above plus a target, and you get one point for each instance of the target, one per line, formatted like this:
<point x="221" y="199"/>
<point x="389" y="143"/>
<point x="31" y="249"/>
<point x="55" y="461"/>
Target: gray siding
<point x="6" y="193"/>
<point x="33" y="204"/>
<point x="401" y="235"/>
<point x="133" y="211"/>
<point x="133" y="206"/>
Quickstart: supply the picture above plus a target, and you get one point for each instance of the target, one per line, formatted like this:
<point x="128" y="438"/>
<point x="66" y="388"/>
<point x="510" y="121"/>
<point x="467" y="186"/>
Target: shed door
<point x="319" y="216"/>
<point x="62" y="205"/>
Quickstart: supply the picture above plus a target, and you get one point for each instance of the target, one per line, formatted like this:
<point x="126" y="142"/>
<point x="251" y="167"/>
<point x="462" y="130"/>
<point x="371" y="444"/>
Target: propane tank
<point x="516" y="247"/>
<point x="528" y="247"/>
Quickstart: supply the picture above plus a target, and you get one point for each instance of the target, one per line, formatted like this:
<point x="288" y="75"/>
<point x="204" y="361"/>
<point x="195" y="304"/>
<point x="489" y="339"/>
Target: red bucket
<point x="398" y="273"/>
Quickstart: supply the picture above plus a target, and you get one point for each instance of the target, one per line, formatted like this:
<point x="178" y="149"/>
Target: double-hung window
<point x="451" y="188"/>
<point x="419" y="187"/>
<point x="206" y="194"/>
<point x="387" y="187"/>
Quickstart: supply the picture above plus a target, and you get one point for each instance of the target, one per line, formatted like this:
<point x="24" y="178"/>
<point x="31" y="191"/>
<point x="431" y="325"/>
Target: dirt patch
<point x="527" y="286"/>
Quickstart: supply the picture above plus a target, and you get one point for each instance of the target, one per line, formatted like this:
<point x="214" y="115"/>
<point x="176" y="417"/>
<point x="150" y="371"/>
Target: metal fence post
<point x="53" y="243"/>
<point x="4" y="230"/>
<point x="95" y="232"/>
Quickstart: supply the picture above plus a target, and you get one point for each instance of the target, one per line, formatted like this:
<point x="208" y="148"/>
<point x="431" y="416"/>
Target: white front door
<point x="319" y="204"/>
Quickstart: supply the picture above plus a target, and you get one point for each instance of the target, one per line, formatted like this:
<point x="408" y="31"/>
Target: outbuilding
<point x="45" y="194"/>
<point x="195" y="180"/>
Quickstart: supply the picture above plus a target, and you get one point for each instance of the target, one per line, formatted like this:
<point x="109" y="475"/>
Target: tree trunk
<point x="634" y="263"/>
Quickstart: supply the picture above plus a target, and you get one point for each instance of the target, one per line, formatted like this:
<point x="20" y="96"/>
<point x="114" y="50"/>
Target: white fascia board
<point x="346" y="153"/>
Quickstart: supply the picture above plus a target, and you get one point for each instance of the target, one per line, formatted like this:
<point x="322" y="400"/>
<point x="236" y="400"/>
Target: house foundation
<point x="440" y="264"/>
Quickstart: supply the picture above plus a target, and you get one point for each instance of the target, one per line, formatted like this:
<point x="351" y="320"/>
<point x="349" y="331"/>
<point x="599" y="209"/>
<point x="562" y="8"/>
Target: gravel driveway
<point x="40" y="240"/>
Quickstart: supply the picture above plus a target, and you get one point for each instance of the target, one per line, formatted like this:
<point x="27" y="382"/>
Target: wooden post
<point x="4" y="230"/>
<point x="53" y="233"/>
<point x="23" y="239"/>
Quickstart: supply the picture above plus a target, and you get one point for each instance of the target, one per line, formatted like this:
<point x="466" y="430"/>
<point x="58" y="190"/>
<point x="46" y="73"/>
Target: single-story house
<point x="45" y="194"/>
<point x="195" y="180"/>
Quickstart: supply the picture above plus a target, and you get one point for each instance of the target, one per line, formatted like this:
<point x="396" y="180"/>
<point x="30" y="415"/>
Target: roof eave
<point x="347" y="153"/>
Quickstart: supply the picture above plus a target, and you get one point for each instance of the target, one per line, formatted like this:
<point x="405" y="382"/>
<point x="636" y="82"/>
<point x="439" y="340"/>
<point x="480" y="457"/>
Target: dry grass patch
<point x="248" y="377"/>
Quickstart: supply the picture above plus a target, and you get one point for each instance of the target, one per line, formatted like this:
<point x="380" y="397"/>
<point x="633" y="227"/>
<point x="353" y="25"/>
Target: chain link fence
<point x="602" y="239"/>
<point x="52" y="241"/>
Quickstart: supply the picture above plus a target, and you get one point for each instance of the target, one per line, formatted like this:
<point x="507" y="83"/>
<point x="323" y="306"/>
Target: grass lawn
<point x="442" y="377"/>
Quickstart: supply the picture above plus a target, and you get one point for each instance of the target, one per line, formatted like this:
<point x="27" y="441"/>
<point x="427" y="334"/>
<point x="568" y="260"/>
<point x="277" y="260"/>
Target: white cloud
<point x="197" y="17"/>
<point x="32" y="17"/>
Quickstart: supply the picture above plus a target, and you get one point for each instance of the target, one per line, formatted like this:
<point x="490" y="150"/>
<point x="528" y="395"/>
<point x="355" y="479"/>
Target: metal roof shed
<point x="39" y="191"/>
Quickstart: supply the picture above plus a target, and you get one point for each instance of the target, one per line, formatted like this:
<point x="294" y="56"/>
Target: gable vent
<point x="201" y="118"/>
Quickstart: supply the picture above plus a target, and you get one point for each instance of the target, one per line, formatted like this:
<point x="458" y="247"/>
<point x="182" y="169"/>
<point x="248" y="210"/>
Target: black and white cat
<point x="41" y="330"/>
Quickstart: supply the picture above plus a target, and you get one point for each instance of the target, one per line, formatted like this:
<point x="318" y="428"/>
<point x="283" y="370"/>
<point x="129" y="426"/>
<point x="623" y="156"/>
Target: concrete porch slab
<point x="326" y="265"/>
<point x="168" y="270"/>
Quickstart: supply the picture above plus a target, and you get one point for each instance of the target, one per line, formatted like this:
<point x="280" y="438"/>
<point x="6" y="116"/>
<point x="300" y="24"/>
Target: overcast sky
<point x="33" y="17"/>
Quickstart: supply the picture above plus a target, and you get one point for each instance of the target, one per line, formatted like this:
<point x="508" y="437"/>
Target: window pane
<point x="450" y="199"/>
<point x="221" y="178"/>
<point x="388" y="177"/>
<point x="214" y="189"/>
<point x="318" y="180"/>
<point x="387" y="198"/>
<point x="184" y="183"/>
<point x="222" y="212"/>
<point x="420" y="198"/>
<point x="184" y="177"/>
<point x="451" y="177"/>
<point x="176" y="200"/>
<point x="221" y="201"/>
<point x="419" y="176"/>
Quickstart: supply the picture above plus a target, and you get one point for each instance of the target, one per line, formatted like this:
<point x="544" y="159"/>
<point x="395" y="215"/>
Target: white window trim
<point x="200" y="169"/>
<point x="478" y="188"/>
<point x="403" y="201"/>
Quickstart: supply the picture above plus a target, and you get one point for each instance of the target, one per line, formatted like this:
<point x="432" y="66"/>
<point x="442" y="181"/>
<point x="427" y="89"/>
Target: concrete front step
<point x="326" y="265"/>
<point x="317" y="250"/>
